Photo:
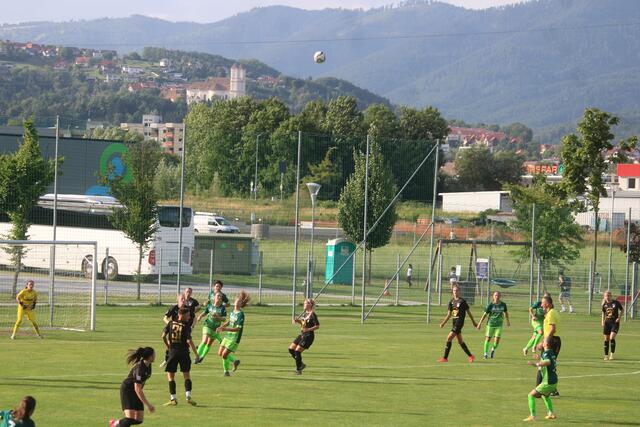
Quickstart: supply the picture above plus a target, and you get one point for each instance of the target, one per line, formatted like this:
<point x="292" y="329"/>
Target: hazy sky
<point x="14" y="11"/>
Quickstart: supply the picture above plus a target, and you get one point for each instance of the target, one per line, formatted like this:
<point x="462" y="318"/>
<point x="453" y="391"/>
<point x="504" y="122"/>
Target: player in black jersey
<point x="131" y="390"/>
<point x="611" y="313"/>
<point x="177" y="338"/>
<point x="184" y="300"/>
<point x="458" y="309"/>
<point x="308" y="325"/>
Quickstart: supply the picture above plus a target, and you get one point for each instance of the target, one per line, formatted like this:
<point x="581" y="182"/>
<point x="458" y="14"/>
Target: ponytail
<point x="134" y="356"/>
<point x="25" y="409"/>
<point x="244" y="298"/>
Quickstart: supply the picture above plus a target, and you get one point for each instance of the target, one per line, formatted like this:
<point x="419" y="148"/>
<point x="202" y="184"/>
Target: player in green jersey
<point x="547" y="366"/>
<point x="536" y="313"/>
<point x="215" y="313"/>
<point x="495" y="312"/>
<point x="233" y="327"/>
<point x="21" y="416"/>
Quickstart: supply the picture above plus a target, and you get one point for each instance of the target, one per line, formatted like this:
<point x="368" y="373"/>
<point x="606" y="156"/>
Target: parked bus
<point x="81" y="217"/>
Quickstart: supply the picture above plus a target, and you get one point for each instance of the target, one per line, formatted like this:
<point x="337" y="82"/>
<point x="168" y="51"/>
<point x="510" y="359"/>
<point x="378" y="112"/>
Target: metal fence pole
<point x="364" y="232"/>
<point x="94" y="275"/>
<point x="52" y="272"/>
<point x="159" y="276"/>
<point x="489" y="282"/>
<point x="613" y="198"/>
<point x="397" y="280"/>
<point x="433" y="228"/>
<point x="439" y="275"/>
<point x="307" y="288"/>
<point x="539" y="279"/>
<point x="210" y="271"/>
<point x="626" y="268"/>
<point x="296" y="229"/>
<point x="634" y="289"/>
<point x="106" y="277"/>
<point x="182" y="172"/>
<point x="260" y="278"/>
<point x="591" y="284"/>
<point x="533" y="252"/>
<point x="353" y="280"/>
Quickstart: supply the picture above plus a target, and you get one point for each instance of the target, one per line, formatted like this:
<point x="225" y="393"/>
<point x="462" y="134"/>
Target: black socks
<point x="447" y="349"/>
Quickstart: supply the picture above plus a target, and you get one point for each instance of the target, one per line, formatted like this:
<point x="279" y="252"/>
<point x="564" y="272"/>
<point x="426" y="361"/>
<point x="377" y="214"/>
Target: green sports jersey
<point x="210" y="321"/>
<point x="6" y="420"/>
<point x="496" y="313"/>
<point x="236" y="320"/>
<point x="538" y="311"/>
<point x="549" y="375"/>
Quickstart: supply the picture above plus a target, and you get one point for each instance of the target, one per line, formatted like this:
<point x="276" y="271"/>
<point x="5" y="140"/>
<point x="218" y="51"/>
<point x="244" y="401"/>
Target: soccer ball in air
<point x="319" y="57"/>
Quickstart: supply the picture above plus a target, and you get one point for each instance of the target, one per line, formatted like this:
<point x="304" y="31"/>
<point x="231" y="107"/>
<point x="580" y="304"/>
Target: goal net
<point x="65" y="294"/>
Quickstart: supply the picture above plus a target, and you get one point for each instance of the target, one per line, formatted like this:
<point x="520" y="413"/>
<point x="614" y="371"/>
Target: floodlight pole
<point x="433" y="219"/>
<point x="611" y="219"/>
<point x="364" y="231"/>
<point x="314" y="188"/>
<point x="182" y="168"/>
<point x="52" y="270"/>
<point x="626" y="270"/>
<point x="295" y="229"/>
<point x="533" y="251"/>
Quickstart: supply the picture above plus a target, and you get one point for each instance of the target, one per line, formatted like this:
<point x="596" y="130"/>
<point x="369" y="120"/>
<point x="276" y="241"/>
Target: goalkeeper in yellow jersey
<point x="26" y="299"/>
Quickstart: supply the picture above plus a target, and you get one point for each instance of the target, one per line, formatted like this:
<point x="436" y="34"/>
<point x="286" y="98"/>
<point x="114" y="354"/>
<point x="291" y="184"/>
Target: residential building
<point x="168" y="135"/>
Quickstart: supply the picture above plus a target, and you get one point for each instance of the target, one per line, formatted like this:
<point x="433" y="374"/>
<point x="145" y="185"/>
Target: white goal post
<point x="65" y="290"/>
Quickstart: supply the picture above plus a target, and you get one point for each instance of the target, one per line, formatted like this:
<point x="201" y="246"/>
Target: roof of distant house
<point x="214" y="83"/>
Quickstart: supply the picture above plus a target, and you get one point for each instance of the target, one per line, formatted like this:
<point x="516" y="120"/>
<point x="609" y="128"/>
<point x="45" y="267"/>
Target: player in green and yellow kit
<point x="496" y="312"/>
<point x="215" y="314"/>
<point x="233" y="327"/>
<point x="549" y="384"/>
<point x="536" y="313"/>
<point x="27" y="299"/>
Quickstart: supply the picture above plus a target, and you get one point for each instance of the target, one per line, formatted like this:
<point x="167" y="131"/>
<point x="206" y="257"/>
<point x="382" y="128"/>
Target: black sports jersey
<point x="192" y="304"/>
<point x="172" y="313"/>
<point x="458" y="308"/>
<point x="178" y="334"/>
<point x="611" y="310"/>
<point x="309" y="320"/>
<point x="139" y="374"/>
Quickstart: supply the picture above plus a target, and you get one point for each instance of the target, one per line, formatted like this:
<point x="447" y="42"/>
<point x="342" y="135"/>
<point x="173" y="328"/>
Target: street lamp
<point x="613" y="186"/>
<point x="314" y="188"/>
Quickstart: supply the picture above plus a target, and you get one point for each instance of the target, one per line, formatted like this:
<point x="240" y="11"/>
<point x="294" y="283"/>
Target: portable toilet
<point x="338" y="250"/>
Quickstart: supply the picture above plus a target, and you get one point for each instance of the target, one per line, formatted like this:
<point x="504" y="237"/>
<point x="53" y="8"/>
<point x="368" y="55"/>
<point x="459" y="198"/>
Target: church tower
<point x="237" y="82"/>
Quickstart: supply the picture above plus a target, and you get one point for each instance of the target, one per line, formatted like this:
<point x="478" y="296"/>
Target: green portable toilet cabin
<point x="338" y="250"/>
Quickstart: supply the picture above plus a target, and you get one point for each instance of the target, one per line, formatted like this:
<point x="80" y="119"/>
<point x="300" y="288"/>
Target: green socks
<point x="231" y="358"/>
<point x="532" y="405"/>
<point x="533" y="342"/>
<point x="547" y="403"/>
<point x="537" y="340"/>
<point x="495" y="345"/>
<point x="203" y="349"/>
<point x="486" y="347"/>
<point x="225" y="364"/>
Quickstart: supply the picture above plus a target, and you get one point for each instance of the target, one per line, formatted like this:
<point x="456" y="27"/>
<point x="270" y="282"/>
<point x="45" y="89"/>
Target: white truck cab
<point x="207" y="222"/>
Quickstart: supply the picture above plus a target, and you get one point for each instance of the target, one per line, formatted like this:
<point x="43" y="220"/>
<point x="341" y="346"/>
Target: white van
<point x="207" y="222"/>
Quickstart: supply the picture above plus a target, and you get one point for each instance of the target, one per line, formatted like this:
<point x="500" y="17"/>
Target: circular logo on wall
<point x="112" y="163"/>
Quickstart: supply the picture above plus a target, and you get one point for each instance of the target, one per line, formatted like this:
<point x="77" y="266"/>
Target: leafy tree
<point x="326" y="173"/>
<point x="167" y="180"/>
<point x="24" y="176"/>
<point x="586" y="160"/>
<point x="137" y="218"/>
<point x="558" y="236"/>
<point x="113" y="134"/>
<point x="381" y="191"/>
<point x="478" y="169"/>
<point x="507" y="167"/>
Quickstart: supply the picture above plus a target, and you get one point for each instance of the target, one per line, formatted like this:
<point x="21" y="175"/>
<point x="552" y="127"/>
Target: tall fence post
<point x="353" y="279"/>
<point x="52" y="273"/>
<point x="180" y="224"/>
<point x="626" y="267"/>
<point x="296" y="230"/>
<point x="539" y="279"/>
<point x="160" y="276"/>
<point x="398" y="280"/>
<point x="210" y="271"/>
<point x="260" y="278"/>
<point x="533" y="252"/>
<point x="489" y="281"/>
<point x="634" y="289"/>
<point x="106" y="277"/>
<point x="307" y="289"/>
<point x="439" y="275"/>
<point x="433" y="228"/>
<point x="591" y="285"/>
<point x="364" y="233"/>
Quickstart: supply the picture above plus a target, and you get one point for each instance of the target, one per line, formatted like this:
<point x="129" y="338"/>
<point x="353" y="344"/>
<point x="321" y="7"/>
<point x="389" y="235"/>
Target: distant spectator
<point x="410" y="275"/>
<point x="564" y="283"/>
<point x="453" y="277"/>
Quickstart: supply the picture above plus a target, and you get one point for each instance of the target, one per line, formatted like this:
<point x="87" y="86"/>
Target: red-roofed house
<point x="467" y="137"/>
<point x="629" y="177"/>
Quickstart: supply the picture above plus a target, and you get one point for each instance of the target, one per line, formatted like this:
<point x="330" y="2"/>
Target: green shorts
<point x="494" y="331"/>
<point x="229" y="343"/>
<point x="211" y="333"/>
<point x="546" y="389"/>
<point x="537" y="326"/>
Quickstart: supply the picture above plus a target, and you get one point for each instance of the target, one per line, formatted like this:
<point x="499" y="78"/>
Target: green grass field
<point x="380" y="373"/>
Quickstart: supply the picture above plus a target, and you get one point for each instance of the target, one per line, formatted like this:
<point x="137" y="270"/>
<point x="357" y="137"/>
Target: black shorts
<point x="611" y="327"/>
<point x="456" y="328"/>
<point x="178" y="357"/>
<point x="130" y="399"/>
<point x="304" y="340"/>
<point x="556" y="344"/>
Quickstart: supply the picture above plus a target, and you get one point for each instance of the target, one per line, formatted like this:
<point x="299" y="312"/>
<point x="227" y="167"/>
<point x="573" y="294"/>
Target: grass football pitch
<point x="381" y="373"/>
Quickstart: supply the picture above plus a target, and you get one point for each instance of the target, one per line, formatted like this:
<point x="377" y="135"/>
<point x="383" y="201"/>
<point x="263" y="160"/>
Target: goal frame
<point x="53" y="244"/>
